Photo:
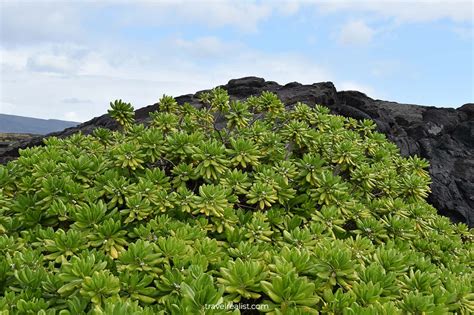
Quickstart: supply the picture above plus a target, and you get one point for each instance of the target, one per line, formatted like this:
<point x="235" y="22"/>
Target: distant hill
<point x="19" y="124"/>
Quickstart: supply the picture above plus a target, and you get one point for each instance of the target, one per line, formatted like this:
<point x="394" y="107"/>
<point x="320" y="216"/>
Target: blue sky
<point x="69" y="59"/>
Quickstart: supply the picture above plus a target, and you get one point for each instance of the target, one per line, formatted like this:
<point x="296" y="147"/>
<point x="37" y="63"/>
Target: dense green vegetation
<point x="296" y="210"/>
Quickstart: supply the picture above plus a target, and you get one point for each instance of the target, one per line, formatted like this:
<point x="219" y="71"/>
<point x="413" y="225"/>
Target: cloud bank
<point x="69" y="59"/>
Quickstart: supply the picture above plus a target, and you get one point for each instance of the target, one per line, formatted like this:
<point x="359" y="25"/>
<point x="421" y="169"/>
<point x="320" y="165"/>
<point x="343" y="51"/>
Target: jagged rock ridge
<point x="444" y="136"/>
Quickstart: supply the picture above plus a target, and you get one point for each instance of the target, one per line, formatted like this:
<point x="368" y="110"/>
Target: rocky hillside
<point x="7" y="139"/>
<point x="444" y="136"/>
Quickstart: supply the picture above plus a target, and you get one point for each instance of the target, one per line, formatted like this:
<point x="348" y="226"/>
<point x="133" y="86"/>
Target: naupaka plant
<point x="227" y="202"/>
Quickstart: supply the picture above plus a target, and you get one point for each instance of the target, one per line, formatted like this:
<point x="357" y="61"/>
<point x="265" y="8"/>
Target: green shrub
<point x="292" y="209"/>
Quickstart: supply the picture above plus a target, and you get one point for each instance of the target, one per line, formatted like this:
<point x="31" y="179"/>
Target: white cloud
<point x="75" y="100"/>
<point x="288" y="8"/>
<point x="51" y="64"/>
<point x="242" y="15"/>
<point x="29" y="22"/>
<point x="26" y="22"/>
<point x="206" y="47"/>
<point x="6" y="107"/>
<point x="96" y="76"/>
<point x="405" y="10"/>
<point x="14" y="60"/>
<point x="464" y="32"/>
<point x="36" y="21"/>
<point x="390" y="67"/>
<point x="71" y="116"/>
<point x="42" y="39"/>
<point x="356" y="33"/>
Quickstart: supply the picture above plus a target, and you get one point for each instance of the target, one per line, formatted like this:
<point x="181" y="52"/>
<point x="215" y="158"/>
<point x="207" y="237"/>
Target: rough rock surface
<point x="444" y="136"/>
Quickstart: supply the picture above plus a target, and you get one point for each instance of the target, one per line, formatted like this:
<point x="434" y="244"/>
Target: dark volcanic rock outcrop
<point x="444" y="136"/>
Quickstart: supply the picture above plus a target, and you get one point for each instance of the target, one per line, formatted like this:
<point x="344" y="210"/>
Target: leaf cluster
<point x="294" y="209"/>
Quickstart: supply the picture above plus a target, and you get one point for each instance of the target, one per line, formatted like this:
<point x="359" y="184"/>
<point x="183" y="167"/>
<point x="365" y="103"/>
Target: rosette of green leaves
<point x="211" y="159"/>
<point x="212" y="200"/>
<point x="290" y="292"/>
<point x="262" y="194"/>
<point x="329" y="189"/>
<point x="128" y="155"/>
<point x="122" y="112"/>
<point x="243" y="153"/>
<point x="238" y="115"/>
<point x="141" y="256"/>
<point x="243" y="279"/>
